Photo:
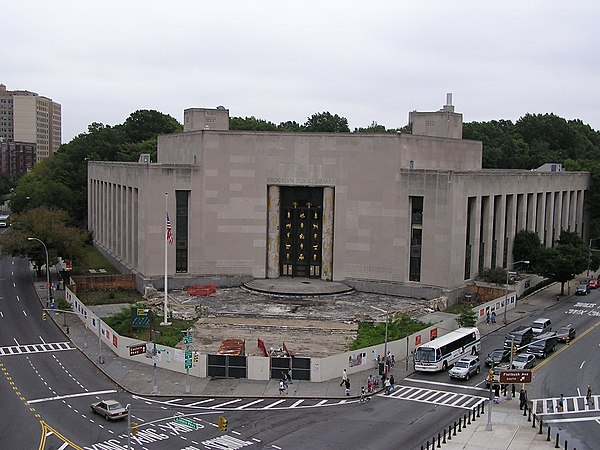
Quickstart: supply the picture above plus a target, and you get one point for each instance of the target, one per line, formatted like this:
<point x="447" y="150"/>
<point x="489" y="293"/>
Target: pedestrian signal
<point x="43" y="315"/>
<point x="222" y="423"/>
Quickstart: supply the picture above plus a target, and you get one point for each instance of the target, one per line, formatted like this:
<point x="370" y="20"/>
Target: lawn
<point x="93" y="259"/>
<point x="91" y="298"/>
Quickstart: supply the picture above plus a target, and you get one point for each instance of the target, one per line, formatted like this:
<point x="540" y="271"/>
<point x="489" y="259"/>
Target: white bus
<point x="444" y="351"/>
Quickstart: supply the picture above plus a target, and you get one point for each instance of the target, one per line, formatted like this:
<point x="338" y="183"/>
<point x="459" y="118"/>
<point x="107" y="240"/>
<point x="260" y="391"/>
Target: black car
<point x="497" y="356"/>
<point x="564" y="333"/>
<point x="582" y="289"/>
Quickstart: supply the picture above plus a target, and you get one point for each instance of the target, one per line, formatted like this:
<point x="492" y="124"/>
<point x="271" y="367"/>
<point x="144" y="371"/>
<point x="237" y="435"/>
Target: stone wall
<point x="101" y="282"/>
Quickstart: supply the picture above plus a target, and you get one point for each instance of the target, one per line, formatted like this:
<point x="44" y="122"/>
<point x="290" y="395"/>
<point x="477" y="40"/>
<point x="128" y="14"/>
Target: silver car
<point x="465" y="367"/>
<point x="110" y="409"/>
<point x="524" y="361"/>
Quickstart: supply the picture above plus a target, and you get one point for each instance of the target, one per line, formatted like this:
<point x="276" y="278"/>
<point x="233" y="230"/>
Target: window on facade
<point x="181" y="230"/>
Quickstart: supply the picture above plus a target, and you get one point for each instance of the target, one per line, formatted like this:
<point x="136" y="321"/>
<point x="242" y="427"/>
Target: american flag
<point x="169" y="231"/>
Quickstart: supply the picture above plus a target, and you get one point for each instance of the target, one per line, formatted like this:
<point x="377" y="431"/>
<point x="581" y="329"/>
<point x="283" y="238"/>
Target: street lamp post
<point x="47" y="268"/>
<point x="387" y="314"/>
<point x="506" y="294"/>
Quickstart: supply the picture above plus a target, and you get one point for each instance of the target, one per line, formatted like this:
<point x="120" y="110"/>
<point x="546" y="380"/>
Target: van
<point x="543" y="344"/>
<point x="519" y="337"/>
<point x="540" y="326"/>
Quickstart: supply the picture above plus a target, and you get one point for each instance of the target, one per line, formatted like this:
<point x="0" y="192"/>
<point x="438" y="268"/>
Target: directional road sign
<point x="515" y="376"/>
<point x="187" y="423"/>
<point x="187" y="359"/>
<point x="187" y="340"/>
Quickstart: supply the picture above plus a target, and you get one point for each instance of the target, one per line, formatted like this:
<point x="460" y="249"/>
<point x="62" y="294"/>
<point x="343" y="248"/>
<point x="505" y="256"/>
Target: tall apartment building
<point x="30" y="118"/>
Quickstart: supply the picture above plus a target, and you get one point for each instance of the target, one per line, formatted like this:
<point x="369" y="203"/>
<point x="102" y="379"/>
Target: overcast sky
<point x="281" y="60"/>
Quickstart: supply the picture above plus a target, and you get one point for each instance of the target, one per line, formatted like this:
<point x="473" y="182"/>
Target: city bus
<point x="444" y="351"/>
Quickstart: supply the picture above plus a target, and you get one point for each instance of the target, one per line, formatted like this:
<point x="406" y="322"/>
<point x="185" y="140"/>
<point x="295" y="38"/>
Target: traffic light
<point x="491" y="375"/>
<point x="514" y="349"/>
<point x="222" y="423"/>
<point x="195" y="357"/>
<point x="43" y="315"/>
<point x="134" y="428"/>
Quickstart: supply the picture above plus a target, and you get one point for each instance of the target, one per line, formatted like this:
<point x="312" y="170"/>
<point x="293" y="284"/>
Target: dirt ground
<point x="316" y="326"/>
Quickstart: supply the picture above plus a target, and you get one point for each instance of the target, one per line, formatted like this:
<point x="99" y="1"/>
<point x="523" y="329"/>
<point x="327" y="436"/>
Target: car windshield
<point x="461" y="364"/>
<point x="425" y="354"/>
<point x="496" y="354"/>
<point x="563" y="331"/>
<point x="114" y="406"/>
<point x="521" y="358"/>
<point x="582" y="287"/>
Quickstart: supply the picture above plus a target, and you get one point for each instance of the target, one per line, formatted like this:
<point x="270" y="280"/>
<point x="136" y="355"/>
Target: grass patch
<point x="92" y="298"/>
<point x="169" y="336"/>
<point x="399" y="326"/>
<point x="93" y="259"/>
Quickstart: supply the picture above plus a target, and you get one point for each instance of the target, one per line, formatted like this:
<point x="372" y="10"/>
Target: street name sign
<point x="515" y="376"/>
<point x="187" y="423"/>
<point x="187" y="340"/>
<point x="138" y="349"/>
<point x="187" y="359"/>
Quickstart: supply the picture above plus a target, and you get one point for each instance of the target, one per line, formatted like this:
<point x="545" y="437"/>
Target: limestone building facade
<point x="412" y="211"/>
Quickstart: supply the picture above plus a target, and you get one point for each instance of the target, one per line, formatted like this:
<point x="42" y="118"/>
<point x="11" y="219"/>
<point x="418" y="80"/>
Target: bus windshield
<point x="424" y="354"/>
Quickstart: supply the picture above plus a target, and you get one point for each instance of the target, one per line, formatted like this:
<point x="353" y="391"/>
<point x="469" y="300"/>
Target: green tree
<point x="466" y="317"/>
<point x="146" y="124"/>
<point x="251" y="124"/>
<point x="526" y="247"/>
<point x="563" y="262"/>
<point x="49" y="226"/>
<point x="326" y="122"/>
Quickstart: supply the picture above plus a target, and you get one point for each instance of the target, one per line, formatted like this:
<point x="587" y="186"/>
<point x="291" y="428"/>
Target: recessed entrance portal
<point x="301" y="232"/>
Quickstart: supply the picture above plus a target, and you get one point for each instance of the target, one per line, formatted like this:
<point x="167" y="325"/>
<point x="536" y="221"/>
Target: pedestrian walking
<point x="370" y="384"/>
<point x="344" y="377"/>
<point x="388" y="386"/>
<point x="588" y="396"/>
<point x="487" y="318"/>
<point x="289" y="376"/>
<point x="282" y="387"/>
<point x="393" y="360"/>
<point x="493" y="317"/>
<point x="561" y="402"/>
<point x="496" y="393"/>
<point x="392" y="387"/>
<point x="347" y="385"/>
<point x="522" y="398"/>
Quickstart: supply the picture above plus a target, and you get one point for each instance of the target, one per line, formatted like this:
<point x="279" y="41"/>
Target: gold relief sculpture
<point x="316" y="246"/>
<point x="288" y="225"/>
<point x="301" y="257"/>
<point x="315" y="226"/>
<point x="302" y="215"/>
<point x="315" y="257"/>
<point x="316" y="217"/>
<point x="308" y="204"/>
<point x="301" y="224"/>
<point x="301" y="246"/>
<point x="288" y="235"/>
<point x="288" y="246"/>
<point x="287" y="256"/>
<point x="301" y="236"/>
<point x="295" y="204"/>
<point x="289" y="215"/>
<point x="315" y="236"/>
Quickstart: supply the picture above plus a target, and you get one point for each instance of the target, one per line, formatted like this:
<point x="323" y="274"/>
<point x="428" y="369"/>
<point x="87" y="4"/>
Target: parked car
<point x="582" y="289"/>
<point x="497" y="356"/>
<point x="465" y="367"/>
<point x="564" y="333"/>
<point x="540" y="326"/>
<point x="520" y="337"/>
<point x="110" y="409"/>
<point x="593" y="284"/>
<point x="524" y="361"/>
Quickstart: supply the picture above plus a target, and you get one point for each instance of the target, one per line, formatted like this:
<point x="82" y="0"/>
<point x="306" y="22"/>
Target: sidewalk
<point x="510" y="429"/>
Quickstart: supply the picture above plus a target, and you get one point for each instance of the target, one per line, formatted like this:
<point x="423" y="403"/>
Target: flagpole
<point x="166" y="273"/>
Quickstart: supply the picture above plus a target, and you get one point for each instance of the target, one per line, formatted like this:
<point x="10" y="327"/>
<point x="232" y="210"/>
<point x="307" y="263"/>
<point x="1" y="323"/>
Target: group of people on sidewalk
<point x="372" y="383"/>
<point x="286" y="379"/>
<point x="490" y="318"/>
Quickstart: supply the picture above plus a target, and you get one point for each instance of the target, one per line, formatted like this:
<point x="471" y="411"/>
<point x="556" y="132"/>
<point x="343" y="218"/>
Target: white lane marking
<point x="18" y="299"/>
<point x="171" y="401"/>
<point x="247" y="405"/>
<point x="447" y="384"/>
<point x="578" y="393"/>
<point x="14" y="285"/>
<point x="574" y="419"/>
<point x="322" y="402"/>
<point x="1" y="315"/>
<point x="274" y="404"/>
<point x="16" y="342"/>
<point x="226" y="403"/>
<point x="42" y="339"/>
<point x="24" y="313"/>
<point x="63" y="446"/>
<point x="581" y="366"/>
<point x="201" y="401"/>
<point x="296" y="403"/>
<point x="60" y="397"/>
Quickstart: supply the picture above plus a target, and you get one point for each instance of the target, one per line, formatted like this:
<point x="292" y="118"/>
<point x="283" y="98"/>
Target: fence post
<point x="540" y="426"/>
<point x="548" y="437"/>
<point x="478" y="408"/>
<point x="455" y="428"/>
<point x="444" y="436"/>
<point x="459" y="425"/>
<point x="482" y="407"/>
<point x="469" y="418"/>
<point x="464" y="421"/>
<point x="557" y="439"/>
<point x="449" y="432"/>
<point x="439" y="439"/>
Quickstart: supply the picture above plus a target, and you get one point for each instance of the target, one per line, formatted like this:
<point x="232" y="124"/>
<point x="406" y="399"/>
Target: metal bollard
<point x="439" y="439"/>
<point x="427" y="445"/>
<point x="482" y="407"/>
<point x="455" y="428"/>
<point x="525" y="410"/>
<point x="469" y="418"/>
<point x="557" y="439"/>
<point x="548" y="437"/>
<point x="444" y="436"/>
<point x="464" y="421"/>
<point x="533" y="424"/>
<point x="540" y="426"/>
<point x="433" y="442"/>
<point x="566" y="445"/>
<point x="449" y="432"/>
<point x="478" y="408"/>
<point x="459" y="425"/>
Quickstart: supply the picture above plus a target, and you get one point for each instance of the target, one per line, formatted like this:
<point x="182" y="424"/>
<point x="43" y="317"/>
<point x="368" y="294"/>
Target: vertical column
<point x="327" y="245"/>
<point x="557" y="215"/>
<point x="530" y="211"/>
<point x="564" y="215"/>
<point x="540" y="208"/>
<point x="476" y="241"/>
<point x="273" y="225"/>
<point x="580" y="199"/>
<point x="487" y="230"/>
<point x="500" y="232"/>
<point x="521" y="219"/>
<point x="134" y="229"/>
<point x="549" y="216"/>
<point x="511" y="225"/>
<point x="572" y="210"/>
<point x="104" y="240"/>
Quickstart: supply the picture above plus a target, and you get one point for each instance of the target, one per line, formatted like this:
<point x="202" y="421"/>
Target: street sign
<point x="515" y="376"/>
<point x="138" y="349"/>
<point x="187" y="423"/>
<point x="187" y="340"/>
<point x="187" y="359"/>
<point x="140" y="317"/>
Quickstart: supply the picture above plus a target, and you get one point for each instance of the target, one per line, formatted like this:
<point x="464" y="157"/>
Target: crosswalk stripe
<point x="247" y="405"/>
<point x="13" y="350"/>
<point x="274" y="404"/>
<point x="570" y="405"/>
<point x="226" y="403"/>
<point x="296" y="403"/>
<point x="445" y="398"/>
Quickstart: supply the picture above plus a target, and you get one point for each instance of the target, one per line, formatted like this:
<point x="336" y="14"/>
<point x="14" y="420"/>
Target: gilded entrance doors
<point x="301" y="232"/>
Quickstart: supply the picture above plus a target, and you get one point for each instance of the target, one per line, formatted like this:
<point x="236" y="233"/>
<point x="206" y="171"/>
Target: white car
<point x="110" y="409"/>
<point x="524" y="361"/>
